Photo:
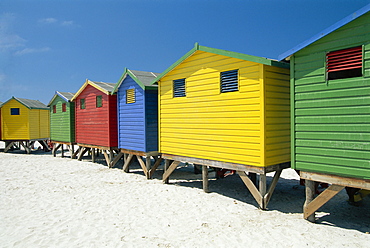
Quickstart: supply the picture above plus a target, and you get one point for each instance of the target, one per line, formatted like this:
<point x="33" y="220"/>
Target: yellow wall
<point x="277" y="115"/>
<point x="30" y="124"/>
<point x="208" y="124"/>
<point x="14" y="127"/>
<point x="229" y="127"/>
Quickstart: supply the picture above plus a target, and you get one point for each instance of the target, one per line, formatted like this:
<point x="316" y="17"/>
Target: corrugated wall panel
<point x="332" y="119"/>
<point x="207" y="124"/>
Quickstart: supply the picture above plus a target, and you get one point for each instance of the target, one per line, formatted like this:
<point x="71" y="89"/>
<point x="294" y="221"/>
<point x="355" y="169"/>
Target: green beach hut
<point x="62" y="121"/>
<point x="330" y="108"/>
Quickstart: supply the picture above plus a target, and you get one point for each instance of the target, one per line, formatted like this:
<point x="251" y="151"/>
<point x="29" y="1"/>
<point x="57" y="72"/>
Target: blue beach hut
<point x="137" y="107"/>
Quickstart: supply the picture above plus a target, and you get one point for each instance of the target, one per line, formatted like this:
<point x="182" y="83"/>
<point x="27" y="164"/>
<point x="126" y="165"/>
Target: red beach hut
<point x="96" y="119"/>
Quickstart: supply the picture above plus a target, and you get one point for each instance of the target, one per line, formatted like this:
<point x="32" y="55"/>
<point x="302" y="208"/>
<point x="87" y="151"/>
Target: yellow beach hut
<point x="226" y="110"/>
<point x="24" y="121"/>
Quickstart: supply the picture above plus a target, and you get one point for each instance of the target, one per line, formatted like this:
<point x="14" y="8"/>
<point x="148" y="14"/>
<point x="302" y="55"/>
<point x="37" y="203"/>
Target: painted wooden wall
<point x="62" y="124"/>
<point x="96" y="126"/>
<point x="229" y="127"/>
<point x="331" y="119"/>
<point x="30" y="124"/>
<point x="15" y="127"/>
<point x="137" y="121"/>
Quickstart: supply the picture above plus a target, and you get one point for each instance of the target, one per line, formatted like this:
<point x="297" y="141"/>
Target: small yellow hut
<point x="225" y="109"/>
<point x="24" y="120"/>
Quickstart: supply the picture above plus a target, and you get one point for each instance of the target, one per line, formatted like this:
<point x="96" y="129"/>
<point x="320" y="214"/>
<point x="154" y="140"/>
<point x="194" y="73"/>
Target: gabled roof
<point x="325" y="32"/>
<point x="106" y="88"/>
<point x="236" y="55"/>
<point x="30" y="104"/>
<point x="142" y="78"/>
<point x="66" y="96"/>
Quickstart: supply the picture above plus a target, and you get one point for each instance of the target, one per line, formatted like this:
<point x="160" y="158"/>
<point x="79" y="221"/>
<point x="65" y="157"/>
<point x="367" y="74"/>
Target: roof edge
<point x="236" y="55"/>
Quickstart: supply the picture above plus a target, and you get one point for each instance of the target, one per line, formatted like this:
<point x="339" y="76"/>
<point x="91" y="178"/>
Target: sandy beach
<point x="51" y="201"/>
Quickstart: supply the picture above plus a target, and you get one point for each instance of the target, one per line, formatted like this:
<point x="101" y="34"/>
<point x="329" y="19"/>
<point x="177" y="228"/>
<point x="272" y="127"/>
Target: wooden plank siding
<point x="96" y="126"/>
<point x="277" y="114"/>
<point x="15" y="127"/>
<point x="62" y="124"/>
<point x="331" y="119"/>
<point x="138" y="121"/>
<point x="131" y="117"/>
<point x="29" y="124"/>
<point x="228" y="127"/>
<point x="151" y="120"/>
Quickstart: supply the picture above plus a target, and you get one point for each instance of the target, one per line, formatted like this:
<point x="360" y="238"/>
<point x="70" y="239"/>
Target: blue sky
<point x="50" y="45"/>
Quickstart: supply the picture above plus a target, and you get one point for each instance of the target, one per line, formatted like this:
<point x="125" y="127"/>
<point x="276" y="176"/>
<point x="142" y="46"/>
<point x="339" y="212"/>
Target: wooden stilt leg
<point x="106" y="156"/>
<point x="82" y="152"/>
<point x="9" y="145"/>
<point x="262" y="188"/>
<point x="205" y="178"/>
<point x="155" y="166"/>
<point x="127" y="162"/>
<point x="251" y="187"/>
<point x="169" y="170"/>
<point x="267" y="196"/>
<point x="93" y="155"/>
<point x="76" y="152"/>
<point x="116" y="159"/>
<point x="310" y="194"/>
<point x="62" y="151"/>
<point x="141" y="162"/>
<point x="148" y="164"/>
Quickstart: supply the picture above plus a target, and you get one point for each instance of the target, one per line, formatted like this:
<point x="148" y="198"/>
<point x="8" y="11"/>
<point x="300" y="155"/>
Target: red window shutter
<point x="64" y="109"/>
<point x="54" y="109"/>
<point x="345" y="59"/>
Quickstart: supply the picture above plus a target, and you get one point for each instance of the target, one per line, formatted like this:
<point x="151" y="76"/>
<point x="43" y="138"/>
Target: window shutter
<point x="64" y="107"/>
<point x="229" y="81"/>
<point x="54" y="109"/>
<point x="345" y="59"/>
<point x="179" y="88"/>
<point x="99" y="101"/>
<point x="130" y="96"/>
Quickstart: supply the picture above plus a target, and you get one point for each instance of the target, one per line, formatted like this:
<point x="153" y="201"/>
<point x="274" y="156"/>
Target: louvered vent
<point x="179" y="88"/>
<point x="344" y="63"/>
<point x="130" y="96"/>
<point x="229" y="81"/>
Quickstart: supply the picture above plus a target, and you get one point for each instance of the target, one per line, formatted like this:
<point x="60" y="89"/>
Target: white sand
<point x="59" y="202"/>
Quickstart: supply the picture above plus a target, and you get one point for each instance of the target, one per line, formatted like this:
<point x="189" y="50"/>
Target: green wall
<point x="331" y="119"/>
<point x="62" y="124"/>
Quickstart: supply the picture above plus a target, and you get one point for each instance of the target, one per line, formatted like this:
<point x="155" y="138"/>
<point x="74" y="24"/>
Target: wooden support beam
<point x="251" y="187"/>
<point x="116" y="159"/>
<point x="310" y="195"/>
<point x="76" y="152"/>
<point x="62" y="151"/>
<point x="205" y="178"/>
<point x="82" y="152"/>
<point x="262" y="184"/>
<point x="148" y="164"/>
<point x="143" y="166"/>
<point x="155" y="166"/>
<point x="127" y="163"/>
<point x="93" y="155"/>
<point x="107" y="157"/>
<point x="169" y="170"/>
<point x="310" y="207"/>
<point x="267" y="196"/>
<point x="9" y="145"/>
<point x="55" y="148"/>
